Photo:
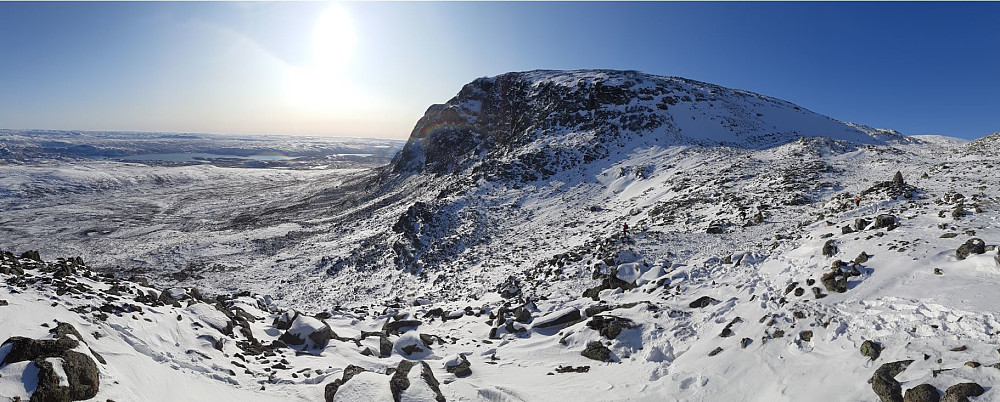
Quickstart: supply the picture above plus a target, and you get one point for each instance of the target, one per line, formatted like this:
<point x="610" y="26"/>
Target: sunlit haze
<point x="371" y="69"/>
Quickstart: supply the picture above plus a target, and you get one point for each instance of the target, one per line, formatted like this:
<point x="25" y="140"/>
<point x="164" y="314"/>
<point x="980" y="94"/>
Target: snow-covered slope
<point x="491" y="249"/>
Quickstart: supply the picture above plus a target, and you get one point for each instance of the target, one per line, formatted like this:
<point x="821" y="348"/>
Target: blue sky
<point x="371" y="69"/>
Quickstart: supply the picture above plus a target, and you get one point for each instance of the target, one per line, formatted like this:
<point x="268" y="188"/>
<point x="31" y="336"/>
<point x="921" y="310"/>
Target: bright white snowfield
<point x="486" y="261"/>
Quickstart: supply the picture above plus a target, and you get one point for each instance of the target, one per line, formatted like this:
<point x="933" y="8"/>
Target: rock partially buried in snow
<point x="393" y="327"/>
<point x="308" y="331"/>
<point x="458" y="365"/>
<point x="597" y="351"/>
<point x="629" y="272"/>
<point x="702" y="302"/>
<point x="330" y="391"/>
<point x="559" y="317"/>
<point x="830" y="248"/>
<point x="414" y="387"/>
<point x="284" y="320"/>
<point x="971" y="246"/>
<point x="610" y="326"/>
<point x="411" y="346"/>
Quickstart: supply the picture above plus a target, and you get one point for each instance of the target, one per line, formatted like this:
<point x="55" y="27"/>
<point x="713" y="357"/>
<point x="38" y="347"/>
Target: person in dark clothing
<point x="625" y="230"/>
<point x="857" y="201"/>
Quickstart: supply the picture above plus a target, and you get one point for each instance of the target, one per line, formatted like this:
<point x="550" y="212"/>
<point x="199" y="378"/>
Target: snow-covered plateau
<point x="771" y="254"/>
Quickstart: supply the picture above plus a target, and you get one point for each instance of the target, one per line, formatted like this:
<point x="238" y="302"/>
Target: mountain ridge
<point x="532" y="124"/>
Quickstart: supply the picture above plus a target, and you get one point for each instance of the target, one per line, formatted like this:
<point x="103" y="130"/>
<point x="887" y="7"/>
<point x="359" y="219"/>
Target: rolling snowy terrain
<point x="486" y="259"/>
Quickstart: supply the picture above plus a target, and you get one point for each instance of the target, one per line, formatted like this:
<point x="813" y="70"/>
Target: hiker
<point x="625" y="230"/>
<point x="857" y="201"/>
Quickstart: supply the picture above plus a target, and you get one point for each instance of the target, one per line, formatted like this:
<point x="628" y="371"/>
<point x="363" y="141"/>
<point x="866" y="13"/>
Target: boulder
<point x="610" y="326"/>
<point x="384" y="346"/>
<point x="82" y="376"/>
<point x="522" y="315"/>
<point x="510" y="288"/>
<point x="31" y="255"/>
<point x="597" y="351"/>
<point x="862" y="258"/>
<point x="308" y="331"/>
<point x="860" y="224"/>
<point x="884" y="382"/>
<point x="835" y="281"/>
<point x="702" y="302"/>
<point x="284" y="320"/>
<point x="25" y="349"/>
<point x="871" y="349"/>
<point x="886" y="221"/>
<point x="393" y="327"/>
<point x="962" y="392"/>
<point x="559" y="317"/>
<point x="922" y="393"/>
<point x="331" y="389"/>
<point x="458" y="365"/>
<point x="971" y="246"/>
<point x="830" y="248"/>
<point x="401" y="380"/>
<point x="81" y="371"/>
<point x="411" y="346"/>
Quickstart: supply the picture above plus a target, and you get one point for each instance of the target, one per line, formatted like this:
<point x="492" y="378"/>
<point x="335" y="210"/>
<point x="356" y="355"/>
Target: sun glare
<point x="324" y="84"/>
<point x="333" y="37"/>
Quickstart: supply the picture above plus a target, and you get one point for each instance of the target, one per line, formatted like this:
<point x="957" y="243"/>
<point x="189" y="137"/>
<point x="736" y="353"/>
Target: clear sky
<point x="371" y="68"/>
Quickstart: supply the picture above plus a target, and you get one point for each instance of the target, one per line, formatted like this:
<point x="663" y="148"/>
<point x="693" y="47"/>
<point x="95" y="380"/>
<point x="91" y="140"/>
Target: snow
<point x="209" y="315"/>
<point x="366" y="386"/>
<point x="291" y="238"/>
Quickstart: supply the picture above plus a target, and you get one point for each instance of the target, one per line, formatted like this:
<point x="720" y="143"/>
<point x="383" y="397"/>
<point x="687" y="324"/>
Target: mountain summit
<point x="533" y="124"/>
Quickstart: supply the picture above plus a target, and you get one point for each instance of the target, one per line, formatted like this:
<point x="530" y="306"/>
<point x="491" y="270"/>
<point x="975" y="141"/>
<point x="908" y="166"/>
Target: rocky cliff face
<point x="531" y="125"/>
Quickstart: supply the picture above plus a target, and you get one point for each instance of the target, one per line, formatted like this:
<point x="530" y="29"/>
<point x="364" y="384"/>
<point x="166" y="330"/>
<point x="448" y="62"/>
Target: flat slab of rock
<point x="558" y="317"/>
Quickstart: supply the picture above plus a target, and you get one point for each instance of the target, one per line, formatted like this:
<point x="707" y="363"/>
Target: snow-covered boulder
<point x="211" y="316"/>
<point x="411" y="346"/>
<point x="629" y="272"/>
<point x="410" y="385"/>
<point x="284" y="320"/>
<point x="308" y="332"/>
<point x="458" y="365"/>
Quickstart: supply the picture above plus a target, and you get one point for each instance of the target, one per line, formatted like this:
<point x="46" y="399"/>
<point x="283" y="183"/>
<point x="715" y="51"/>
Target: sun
<point x="324" y="83"/>
<point x="333" y="37"/>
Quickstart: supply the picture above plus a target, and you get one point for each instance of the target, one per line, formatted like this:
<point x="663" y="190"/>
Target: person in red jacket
<point x="625" y="230"/>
